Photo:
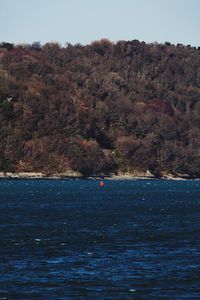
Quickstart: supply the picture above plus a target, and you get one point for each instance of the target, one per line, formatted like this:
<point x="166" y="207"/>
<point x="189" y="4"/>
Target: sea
<point x="74" y="239"/>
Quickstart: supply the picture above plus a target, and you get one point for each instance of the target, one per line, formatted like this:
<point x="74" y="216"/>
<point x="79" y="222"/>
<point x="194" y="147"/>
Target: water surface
<point x="72" y="239"/>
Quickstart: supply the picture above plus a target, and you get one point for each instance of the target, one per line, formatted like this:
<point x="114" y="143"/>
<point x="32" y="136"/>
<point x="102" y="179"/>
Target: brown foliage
<point x="64" y="107"/>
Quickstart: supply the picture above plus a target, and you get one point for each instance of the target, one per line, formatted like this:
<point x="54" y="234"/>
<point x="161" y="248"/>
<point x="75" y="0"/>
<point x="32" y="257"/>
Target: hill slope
<point x="100" y="109"/>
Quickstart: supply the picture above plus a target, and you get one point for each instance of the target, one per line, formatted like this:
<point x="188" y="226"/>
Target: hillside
<point x="100" y="109"/>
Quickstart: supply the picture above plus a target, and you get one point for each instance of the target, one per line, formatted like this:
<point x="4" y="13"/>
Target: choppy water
<point x="71" y="239"/>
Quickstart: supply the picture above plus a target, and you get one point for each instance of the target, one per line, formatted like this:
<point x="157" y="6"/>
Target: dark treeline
<point x="101" y="108"/>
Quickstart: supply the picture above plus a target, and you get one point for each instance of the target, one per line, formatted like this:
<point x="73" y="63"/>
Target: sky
<point x="84" y="21"/>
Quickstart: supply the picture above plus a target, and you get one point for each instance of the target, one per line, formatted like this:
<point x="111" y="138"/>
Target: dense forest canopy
<point x="100" y="109"/>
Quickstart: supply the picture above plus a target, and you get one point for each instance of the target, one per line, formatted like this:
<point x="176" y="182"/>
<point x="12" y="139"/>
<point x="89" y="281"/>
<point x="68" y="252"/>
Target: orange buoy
<point x="101" y="183"/>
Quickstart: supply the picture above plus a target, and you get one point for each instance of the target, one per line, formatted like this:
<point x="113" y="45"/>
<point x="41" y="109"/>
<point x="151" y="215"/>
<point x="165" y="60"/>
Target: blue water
<point x="72" y="239"/>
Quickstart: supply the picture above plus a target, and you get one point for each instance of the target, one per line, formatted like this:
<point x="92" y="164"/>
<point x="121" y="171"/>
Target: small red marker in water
<point x="101" y="183"/>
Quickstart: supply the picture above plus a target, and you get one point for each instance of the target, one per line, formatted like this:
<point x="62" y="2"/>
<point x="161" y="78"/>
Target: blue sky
<point x="83" y="21"/>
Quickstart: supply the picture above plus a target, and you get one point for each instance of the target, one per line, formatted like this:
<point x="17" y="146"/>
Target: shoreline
<point x="75" y="175"/>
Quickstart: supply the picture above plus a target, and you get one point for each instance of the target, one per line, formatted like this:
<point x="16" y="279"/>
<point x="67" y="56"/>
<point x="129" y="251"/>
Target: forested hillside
<point x="100" y="109"/>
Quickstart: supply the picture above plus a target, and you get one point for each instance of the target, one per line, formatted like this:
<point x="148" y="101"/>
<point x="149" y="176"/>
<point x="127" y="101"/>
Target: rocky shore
<point x="39" y="175"/>
<point x="76" y="175"/>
